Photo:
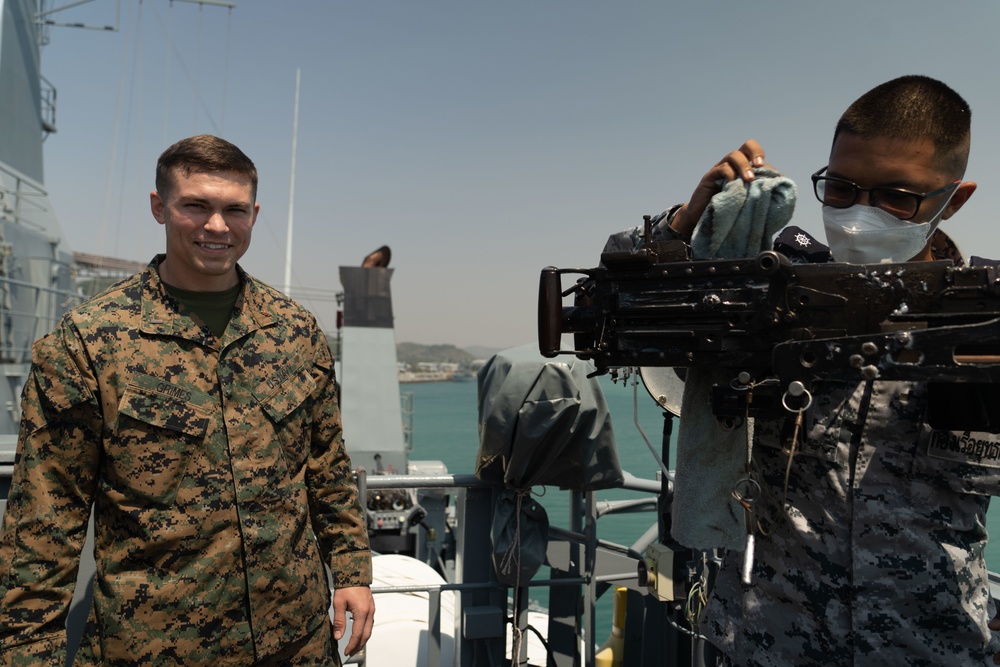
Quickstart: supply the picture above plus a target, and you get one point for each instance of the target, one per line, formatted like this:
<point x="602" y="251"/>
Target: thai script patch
<point x="975" y="447"/>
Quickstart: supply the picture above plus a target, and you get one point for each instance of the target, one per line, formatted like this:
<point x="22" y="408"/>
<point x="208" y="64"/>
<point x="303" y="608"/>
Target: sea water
<point x="446" y="429"/>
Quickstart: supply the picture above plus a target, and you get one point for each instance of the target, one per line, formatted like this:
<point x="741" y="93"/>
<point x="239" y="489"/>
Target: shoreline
<point x="409" y="377"/>
<point x="412" y="377"/>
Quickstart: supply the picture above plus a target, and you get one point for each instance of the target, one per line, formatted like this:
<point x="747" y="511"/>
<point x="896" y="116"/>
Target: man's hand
<point x="738" y="164"/>
<point x="359" y="601"/>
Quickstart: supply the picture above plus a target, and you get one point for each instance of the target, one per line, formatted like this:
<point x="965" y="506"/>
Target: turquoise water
<point x="446" y="429"/>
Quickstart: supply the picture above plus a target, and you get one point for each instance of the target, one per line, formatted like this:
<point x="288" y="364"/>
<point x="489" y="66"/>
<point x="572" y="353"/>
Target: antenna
<point x="291" y="190"/>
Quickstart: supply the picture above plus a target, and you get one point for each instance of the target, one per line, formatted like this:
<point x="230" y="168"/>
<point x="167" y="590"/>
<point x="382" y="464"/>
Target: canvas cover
<point x="544" y="422"/>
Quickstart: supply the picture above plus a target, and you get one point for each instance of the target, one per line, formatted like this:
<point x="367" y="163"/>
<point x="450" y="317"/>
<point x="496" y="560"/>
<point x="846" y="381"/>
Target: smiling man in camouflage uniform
<point x="194" y="408"/>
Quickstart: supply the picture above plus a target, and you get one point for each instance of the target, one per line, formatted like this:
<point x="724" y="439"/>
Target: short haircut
<point x="203" y="154"/>
<point x="910" y="108"/>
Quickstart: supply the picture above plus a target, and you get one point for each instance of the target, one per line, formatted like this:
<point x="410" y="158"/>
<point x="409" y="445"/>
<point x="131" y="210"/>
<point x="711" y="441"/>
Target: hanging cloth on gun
<point x="739" y="222"/>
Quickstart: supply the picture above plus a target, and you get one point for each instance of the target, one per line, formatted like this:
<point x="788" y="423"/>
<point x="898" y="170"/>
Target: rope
<point x="698" y="595"/>
<point x="512" y="558"/>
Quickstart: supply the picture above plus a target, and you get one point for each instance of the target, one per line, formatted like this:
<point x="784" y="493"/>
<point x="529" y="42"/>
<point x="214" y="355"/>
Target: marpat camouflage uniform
<point x="218" y="476"/>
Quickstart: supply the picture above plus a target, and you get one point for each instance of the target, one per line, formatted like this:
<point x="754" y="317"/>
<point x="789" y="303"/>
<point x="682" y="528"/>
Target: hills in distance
<point x="411" y="354"/>
<point x="414" y="353"/>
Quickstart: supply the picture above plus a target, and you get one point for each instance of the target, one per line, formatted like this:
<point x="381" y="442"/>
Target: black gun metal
<point x="774" y="322"/>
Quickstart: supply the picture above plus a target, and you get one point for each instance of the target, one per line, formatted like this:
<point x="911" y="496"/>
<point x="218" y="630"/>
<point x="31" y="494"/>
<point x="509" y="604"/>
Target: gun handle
<point x="549" y="312"/>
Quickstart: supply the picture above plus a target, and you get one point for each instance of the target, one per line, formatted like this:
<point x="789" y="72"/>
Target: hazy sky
<point x="480" y="140"/>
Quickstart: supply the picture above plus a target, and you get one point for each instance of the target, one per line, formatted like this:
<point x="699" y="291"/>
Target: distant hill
<point x="414" y="353"/>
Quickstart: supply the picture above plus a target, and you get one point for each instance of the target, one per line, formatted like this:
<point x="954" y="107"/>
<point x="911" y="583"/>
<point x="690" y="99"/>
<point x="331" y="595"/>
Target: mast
<point x="291" y="190"/>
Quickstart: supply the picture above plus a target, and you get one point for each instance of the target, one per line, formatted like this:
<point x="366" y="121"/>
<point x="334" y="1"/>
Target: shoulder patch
<point x="799" y="245"/>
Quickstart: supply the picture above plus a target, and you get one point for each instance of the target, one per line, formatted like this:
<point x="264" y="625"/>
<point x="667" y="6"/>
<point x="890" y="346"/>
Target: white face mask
<point x="868" y="235"/>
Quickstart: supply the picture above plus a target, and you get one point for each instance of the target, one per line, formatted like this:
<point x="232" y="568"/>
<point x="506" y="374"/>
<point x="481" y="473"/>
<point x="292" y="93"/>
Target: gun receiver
<point x="771" y="321"/>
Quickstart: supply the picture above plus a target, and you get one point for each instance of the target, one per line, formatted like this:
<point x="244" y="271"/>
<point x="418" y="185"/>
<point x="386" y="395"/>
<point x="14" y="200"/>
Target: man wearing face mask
<point x="869" y="548"/>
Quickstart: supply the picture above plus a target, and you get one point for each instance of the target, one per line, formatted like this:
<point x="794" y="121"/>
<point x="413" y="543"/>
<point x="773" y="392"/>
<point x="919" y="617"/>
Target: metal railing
<point x="581" y="534"/>
<point x="26" y="195"/>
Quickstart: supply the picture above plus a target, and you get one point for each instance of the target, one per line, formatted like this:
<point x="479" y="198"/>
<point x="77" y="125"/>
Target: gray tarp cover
<point x="540" y="422"/>
<point x="519" y="537"/>
<point x="544" y="422"/>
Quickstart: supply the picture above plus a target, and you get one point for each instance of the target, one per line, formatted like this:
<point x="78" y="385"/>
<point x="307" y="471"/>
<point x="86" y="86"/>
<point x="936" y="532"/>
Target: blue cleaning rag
<point x="741" y="219"/>
<point x="739" y="222"/>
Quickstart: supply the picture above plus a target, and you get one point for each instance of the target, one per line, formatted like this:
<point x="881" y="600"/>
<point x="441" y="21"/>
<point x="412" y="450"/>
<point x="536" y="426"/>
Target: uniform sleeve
<point x="629" y="240"/>
<point x="48" y="508"/>
<point x="337" y="515"/>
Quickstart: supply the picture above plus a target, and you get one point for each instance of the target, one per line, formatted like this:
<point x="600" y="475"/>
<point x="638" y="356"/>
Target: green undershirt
<point x="213" y="308"/>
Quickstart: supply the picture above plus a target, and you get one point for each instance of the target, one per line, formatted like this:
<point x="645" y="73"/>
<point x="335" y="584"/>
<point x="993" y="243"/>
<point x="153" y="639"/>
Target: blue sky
<point x="482" y="141"/>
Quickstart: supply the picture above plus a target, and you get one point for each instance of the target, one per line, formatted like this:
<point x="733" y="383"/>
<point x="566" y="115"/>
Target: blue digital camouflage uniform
<point x="878" y="554"/>
<point x="874" y="552"/>
<point x="217" y="472"/>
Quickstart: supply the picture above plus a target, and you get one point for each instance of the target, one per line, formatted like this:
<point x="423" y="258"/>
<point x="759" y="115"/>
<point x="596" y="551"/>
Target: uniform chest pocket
<point x="282" y="401"/>
<point x="155" y="435"/>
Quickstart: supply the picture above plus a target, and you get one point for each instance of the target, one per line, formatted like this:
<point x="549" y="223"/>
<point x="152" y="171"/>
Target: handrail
<point x="26" y="193"/>
<point x="582" y="533"/>
<point x="469" y="481"/>
<point x="464" y="480"/>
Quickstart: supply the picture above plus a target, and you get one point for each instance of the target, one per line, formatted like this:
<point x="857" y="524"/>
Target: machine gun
<point x="781" y="327"/>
